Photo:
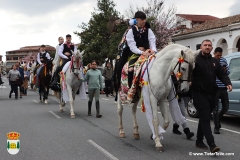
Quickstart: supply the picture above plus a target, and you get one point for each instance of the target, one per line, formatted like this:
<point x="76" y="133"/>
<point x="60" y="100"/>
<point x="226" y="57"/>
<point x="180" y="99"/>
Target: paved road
<point x="50" y="135"/>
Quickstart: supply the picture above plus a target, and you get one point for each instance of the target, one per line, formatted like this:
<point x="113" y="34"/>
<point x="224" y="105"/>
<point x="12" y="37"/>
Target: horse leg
<point x="153" y="102"/>
<point x="69" y="88"/>
<point x="165" y="113"/>
<point x="59" y="97"/>
<point x="120" y="110"/>
<point x="45" y="95"/>
<point x="135" y="125"/>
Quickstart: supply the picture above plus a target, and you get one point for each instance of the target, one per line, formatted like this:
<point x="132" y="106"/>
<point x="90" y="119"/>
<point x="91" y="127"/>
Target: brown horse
<point x="44" y="80"/>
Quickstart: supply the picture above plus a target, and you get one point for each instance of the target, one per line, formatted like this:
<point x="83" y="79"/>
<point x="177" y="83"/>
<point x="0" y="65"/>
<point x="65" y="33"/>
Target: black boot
<point x="216" y="130"/>
<point x="130" y="79"/>
<point x="175" y="129"/>
<point x="98" y="110"/>
<point x="214" y="148"/>
<point x="1" y="82"/>
<point x="188" y="133"/>
<point x="201" y="145"/>
<point x="89" y="108"/>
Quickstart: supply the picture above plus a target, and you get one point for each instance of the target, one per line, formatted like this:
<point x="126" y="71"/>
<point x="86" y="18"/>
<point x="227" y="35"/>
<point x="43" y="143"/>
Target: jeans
<point x="223" y="95"/>
<point x="14" y="88"/>
<point x="108" y="87"/>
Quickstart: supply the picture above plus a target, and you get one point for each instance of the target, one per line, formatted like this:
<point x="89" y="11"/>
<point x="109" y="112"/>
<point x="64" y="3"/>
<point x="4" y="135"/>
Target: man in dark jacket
<point x="22" y="77"/>
<point x="204" y="90"/>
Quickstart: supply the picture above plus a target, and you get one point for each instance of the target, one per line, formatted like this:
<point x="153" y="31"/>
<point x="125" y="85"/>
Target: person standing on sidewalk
<point x="204" y="90"/>
<point x="107" y="74"/>
<point x="221" y="92"/>
<point x="13" y="76"/>
<point x="94" y="79"/>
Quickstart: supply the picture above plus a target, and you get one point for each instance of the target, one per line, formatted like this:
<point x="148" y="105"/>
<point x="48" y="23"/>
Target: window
<point x="9" y="58"/>
<point x="234" y="69"/>
<point x="15" y="58"/>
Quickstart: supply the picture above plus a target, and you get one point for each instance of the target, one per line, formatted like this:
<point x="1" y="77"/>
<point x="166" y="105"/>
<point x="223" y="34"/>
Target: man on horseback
<point x="140" y="35"/>
<point x="65" y="53"/>
<point x="42" y="57"/>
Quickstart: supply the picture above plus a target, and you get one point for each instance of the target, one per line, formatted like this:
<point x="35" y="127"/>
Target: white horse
<point x="73" y="81"/>
<point x="166" y="61"/>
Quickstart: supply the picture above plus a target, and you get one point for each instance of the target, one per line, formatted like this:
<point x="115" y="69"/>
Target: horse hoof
<point x="63" y="104"/>
<point x="72" y="116"/>
<point x="61" y="110"/>
<point x="136" y="136"/>
<point x="46" y="101"/>
<point x="159" y="149"/>
<point x="122" y="135"/>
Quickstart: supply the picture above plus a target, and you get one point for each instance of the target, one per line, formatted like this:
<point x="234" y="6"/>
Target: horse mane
<point x="172" y="48"/>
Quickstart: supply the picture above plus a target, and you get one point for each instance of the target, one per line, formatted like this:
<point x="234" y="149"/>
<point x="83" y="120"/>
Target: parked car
<point x="233" y="60"/>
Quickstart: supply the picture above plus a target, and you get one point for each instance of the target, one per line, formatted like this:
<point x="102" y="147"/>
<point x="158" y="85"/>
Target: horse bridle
<point x="179" y="73"/>
<point x="72" y="65"/>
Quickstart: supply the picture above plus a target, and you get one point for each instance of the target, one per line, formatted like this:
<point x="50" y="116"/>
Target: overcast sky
<point x="36" y="22"/>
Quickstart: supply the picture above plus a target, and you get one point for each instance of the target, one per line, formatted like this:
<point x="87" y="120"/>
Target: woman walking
<point x="94" y="79"/>
<point x="14" y="76"/>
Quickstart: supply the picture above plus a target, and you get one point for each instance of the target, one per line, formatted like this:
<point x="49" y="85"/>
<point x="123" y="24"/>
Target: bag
<point x="19" y="81"/>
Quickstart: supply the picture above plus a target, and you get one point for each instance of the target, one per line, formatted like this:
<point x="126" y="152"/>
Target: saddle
<point x="131" y="93"/>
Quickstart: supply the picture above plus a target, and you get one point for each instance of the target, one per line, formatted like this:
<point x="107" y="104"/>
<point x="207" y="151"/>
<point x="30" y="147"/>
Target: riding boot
<point x="89" y="108"/>
<point x="98" y="115"/>
<point x="188" y="133"/>
<point x="175" y="129"/>
<point x="1" y="82"/>
<point x="130" y="79"/>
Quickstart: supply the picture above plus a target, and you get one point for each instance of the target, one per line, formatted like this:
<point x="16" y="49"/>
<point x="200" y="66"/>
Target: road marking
<point x="230" y="130"/>
<point x="54" y="114"/>
<point x="105" y="99"/>
<point x="192" y="120"/>
<point x="221" y="128"/>
<point x="35" y="101"/>
<point x="3" y="87"/>
<point x="102" y="150"/>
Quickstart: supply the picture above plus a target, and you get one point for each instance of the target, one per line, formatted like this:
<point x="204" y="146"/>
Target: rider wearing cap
<point x="65" y="52"/>
<point x="140" y="35"/>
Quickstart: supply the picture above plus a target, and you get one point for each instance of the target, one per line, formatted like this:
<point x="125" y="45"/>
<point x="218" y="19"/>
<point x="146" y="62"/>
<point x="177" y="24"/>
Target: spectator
<point x="21" y="78"/>
<point x="221" y="92"/>
<point x="107" y="74"/>
<point x="94" y="78"/>
<point x="25" y="80"/>
<point x="13" y="76"/>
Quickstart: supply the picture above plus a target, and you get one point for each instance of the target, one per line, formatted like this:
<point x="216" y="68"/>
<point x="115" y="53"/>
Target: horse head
<point x="183" y="67"/>
<point x="76" y="62"/>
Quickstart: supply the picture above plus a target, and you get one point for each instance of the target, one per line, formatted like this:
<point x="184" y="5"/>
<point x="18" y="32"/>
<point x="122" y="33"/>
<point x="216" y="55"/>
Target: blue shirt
<point x="223" y="62"/>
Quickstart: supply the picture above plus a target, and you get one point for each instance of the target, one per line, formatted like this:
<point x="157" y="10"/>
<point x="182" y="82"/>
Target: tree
<point x="162" y="22"/>
<point x="98" y="34"/>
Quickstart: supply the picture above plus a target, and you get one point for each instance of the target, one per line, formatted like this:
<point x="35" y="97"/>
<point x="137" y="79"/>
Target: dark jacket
<point x="204" y="75"/>
<point x="21" y="72"/>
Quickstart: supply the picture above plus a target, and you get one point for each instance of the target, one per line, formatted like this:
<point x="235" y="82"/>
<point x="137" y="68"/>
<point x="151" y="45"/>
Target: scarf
<point x="69" y="44"/>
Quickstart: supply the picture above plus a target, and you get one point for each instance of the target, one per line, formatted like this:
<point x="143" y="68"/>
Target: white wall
<point x="184" y="21"/>
<point x="216" y="39"/>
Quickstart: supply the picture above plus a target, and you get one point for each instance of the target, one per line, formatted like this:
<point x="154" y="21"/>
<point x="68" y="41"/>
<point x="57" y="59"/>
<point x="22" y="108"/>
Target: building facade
<point x="224" y="32"/>
<point x="25" y="53"/>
